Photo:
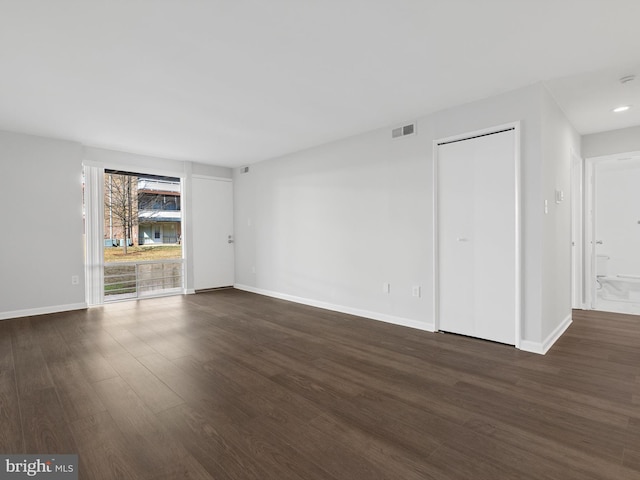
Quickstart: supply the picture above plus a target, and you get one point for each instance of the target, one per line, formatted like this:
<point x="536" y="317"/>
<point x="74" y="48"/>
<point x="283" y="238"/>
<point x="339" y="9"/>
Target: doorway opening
<point x="613" y="233"/>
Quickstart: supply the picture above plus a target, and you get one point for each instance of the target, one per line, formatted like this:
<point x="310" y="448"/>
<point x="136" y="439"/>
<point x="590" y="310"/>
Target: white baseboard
<point x="543" y="347"/>
<point x="382" y="317"/>
<point x="42" y="310"/>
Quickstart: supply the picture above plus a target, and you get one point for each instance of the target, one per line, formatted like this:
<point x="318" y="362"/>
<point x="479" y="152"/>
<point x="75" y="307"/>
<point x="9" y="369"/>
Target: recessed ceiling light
<point x="622" y="108"/>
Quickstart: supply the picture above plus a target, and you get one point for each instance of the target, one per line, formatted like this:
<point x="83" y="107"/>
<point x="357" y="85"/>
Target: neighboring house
<point x="159" y="211"/>
<point x="155" y="203"/>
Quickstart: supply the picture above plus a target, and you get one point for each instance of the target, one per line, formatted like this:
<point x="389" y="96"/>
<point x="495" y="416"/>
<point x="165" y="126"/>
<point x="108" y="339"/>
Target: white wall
<point x="331" y="224"/>
<point x="143" y="163"/>
<point x="211" y="170"/>
<point x="559" y="141"/>
<point x="609" y="143"/>
<point x="41" y="248"/>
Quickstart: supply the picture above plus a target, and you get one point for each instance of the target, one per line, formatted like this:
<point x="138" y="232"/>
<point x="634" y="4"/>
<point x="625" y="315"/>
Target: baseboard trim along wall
<point x="543" y="347"/>
<point x="405" y="322"/>
<point x="42" y="311"/>
<point x="526" y="345"/>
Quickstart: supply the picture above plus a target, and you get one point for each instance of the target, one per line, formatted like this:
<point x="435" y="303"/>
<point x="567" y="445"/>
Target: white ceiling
<point x="231" y="82"/>
<point x="588" y="99"/>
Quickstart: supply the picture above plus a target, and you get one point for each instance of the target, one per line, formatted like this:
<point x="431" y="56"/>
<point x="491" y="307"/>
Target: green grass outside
<point x="142" y="253"/>
<point x="118" y="289"/>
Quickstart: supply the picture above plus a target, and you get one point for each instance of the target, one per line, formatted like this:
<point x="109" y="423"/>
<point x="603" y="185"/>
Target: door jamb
<point x="578" y="231"/>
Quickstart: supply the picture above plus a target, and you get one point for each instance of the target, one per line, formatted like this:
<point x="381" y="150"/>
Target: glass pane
<point x="142" y="242"/>
<point x="142" y="217"/>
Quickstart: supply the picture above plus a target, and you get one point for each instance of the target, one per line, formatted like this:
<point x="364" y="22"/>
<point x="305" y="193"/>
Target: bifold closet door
<point x="476" y="227"/>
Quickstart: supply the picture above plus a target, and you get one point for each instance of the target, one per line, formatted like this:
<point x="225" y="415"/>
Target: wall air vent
<point x="244" y="169"/>
<point x="404" y="131"/>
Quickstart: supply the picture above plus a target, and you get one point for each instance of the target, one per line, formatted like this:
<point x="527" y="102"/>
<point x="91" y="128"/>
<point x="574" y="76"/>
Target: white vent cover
<point x="404" y="131"/>
<point x="244" y="170"/>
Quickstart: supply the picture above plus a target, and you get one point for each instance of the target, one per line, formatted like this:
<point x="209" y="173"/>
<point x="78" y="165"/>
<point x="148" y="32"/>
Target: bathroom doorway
<point x="613" y="233"/>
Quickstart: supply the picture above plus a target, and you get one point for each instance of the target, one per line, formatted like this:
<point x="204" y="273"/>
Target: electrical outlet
<point x="75" y="280"/>
<point x="415" y="291"/>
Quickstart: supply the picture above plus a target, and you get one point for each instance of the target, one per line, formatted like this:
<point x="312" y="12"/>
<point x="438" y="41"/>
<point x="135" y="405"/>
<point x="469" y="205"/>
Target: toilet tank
<point x="602" y="262"/>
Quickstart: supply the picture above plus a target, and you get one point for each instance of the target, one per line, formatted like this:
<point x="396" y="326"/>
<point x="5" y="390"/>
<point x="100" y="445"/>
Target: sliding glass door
<point x="134" y="235"/>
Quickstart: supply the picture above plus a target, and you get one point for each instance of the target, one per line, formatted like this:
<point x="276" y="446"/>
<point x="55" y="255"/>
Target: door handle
<point x="462" y="239"/>
<point x="598" y="242"/>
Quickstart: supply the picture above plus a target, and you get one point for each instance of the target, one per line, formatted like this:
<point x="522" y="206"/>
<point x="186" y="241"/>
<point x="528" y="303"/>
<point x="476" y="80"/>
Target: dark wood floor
<point x="231" y="385"/>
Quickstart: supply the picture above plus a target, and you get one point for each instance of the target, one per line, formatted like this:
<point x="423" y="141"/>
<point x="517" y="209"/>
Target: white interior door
<point x="477" y="261"/>
<point x="213" y="252"/>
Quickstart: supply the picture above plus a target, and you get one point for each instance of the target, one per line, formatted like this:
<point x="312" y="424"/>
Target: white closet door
<point x="213" y="254"/>
<point x="477" y="237"/>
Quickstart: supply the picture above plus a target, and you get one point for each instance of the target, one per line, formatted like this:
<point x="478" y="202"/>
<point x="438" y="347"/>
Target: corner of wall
<point x="544" y="346"/>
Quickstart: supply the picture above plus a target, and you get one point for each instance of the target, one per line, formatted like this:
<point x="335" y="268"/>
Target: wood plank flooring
<point x="232" y="385"/>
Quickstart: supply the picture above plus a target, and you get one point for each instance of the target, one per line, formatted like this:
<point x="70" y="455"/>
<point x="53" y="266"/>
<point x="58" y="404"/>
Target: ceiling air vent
<point x="404" y="131"/>
<point x="244" y="170"/>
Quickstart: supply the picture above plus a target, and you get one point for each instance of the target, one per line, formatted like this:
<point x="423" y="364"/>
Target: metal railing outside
<point x="158" y="185"/>
<point x="166" y="240"/>
<point x="125" y="280"/>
